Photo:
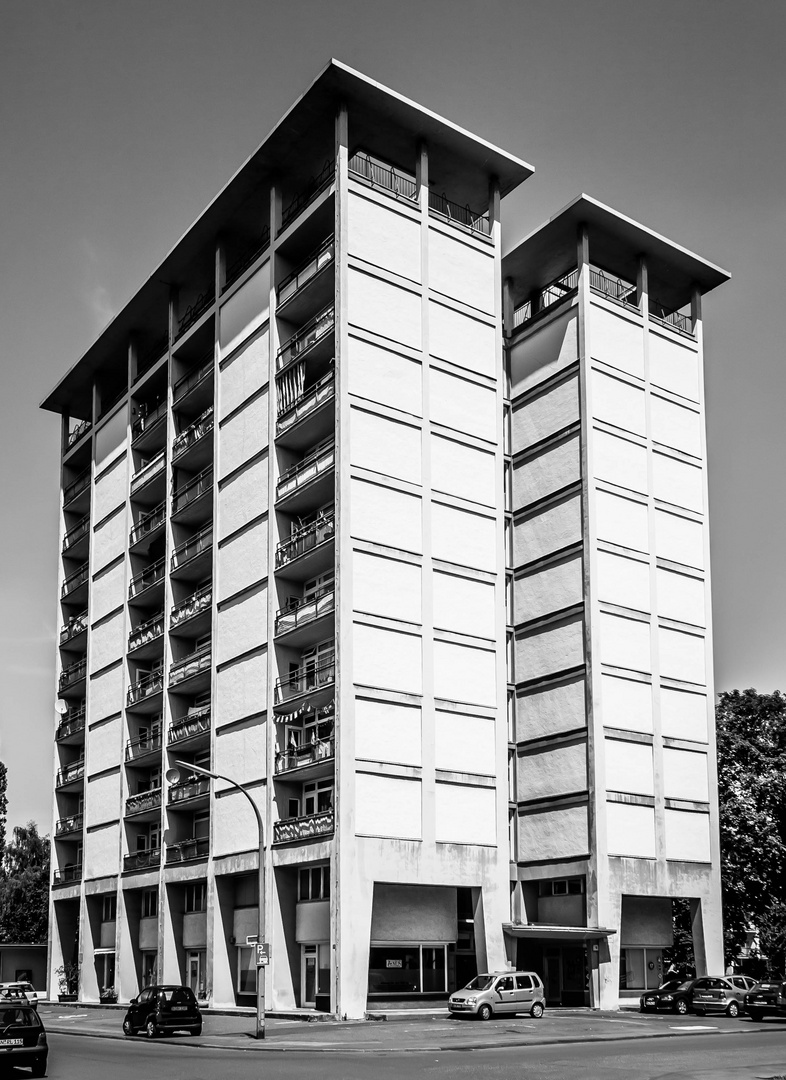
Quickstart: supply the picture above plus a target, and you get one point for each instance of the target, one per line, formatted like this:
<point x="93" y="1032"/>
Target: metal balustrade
<point x="146" y="687"/>
<point x="77" y="624"/>
<point x="143" y="801"/>
<point x="615" y="288"/>
<point x="186" y="727"/>
<point x="76" y="532"/>
<point x="305" y="539"/>
<point x="303" y="828"/>
<point x="76" y="433"/>
<point x="381" y="175"/>
<point x="195" y="311"/>
<point x="312" y="190"/>
<point x="69" y="872"/>
<point x="189" y="789"/>
<point x="143" y="745"/>
<point x="193" y="664"/>
<point x="305" y="338"/>
<point x="307" y="270"/>
<point x="301" y="611"/>
<point x="296" y="402"/>
<point x="70" y="824"/>
<point x="459" y="215"/>
<point x="195" y="545"/>
<point x="547" y="297"/>
<point x="147" y="418"/>
<point x="69" y="773"/>
<point x="77" y="486"/>
<point x="151" y="469"/>
<point x="296" y="757"/>
<point x="306" y="470"/>
<point x="73" y="581"/>
<point x="74" y="673"/>
<point x="142" y="860"/>
<point x="192" y="378"/>
<point x="676" y="320"/>
<point x="193" y="490"/>
<point x="203" y="425"/>
<point x="146" y="632"/>
<point x="151" y="575"/>
<point x="72" y="722"/>
<point x="147" y="523"/>
<point x="186" y="850"/>
<point x="247" y="258"/>
<point x="305" y="679"/>
<point x="152" y="356"/>
<point x="194" y="604"/>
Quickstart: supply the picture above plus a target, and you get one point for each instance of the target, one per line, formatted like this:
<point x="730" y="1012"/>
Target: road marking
<point x="694" y="1027"/>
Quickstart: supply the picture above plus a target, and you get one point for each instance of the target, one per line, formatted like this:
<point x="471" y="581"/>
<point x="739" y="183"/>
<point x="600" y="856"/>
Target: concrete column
<point x="609" y="956"/>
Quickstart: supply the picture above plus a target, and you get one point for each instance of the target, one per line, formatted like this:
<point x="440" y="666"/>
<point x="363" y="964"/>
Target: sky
<point x="120" y="121"/>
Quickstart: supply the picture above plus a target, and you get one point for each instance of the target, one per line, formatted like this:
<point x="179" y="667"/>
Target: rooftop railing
<point x="547" y="297"/>
<point x="380" y="174"/>
<point x="192" y="788"/>
<point x="193" y="605"/>
<point x="305" y="679"/>
<point x="247" y="258"/>
<point x="76" y="486"/>
<point x="74" y="673"/>
<point x="142" y="860"/>
<point x="72" y="722"/>
<point x="77" y="624"/>
<point x="305" y="539"/>
<point x="195" y="311"/>
<point x="305" y="338"/>
<point x="73" y="581"/>
<point x="308" y="269"/>
<point x="193" y="664"/>
<point x="186" y="727"/>
<point x="196" y="848"/>
<point x="146" y="687"/>
<point x="314" y="188"/>
<point x="151" y="575"/>
<point x="306" y="470"/>
<point x="615" y="288"/>
<point x="76" y="532"/>
<point x="193" y="378"/>
<point x="70" y="824"/>
<point x="677" y="320"/>
<point x="142" y="801"/>
<point x="294" y="401"/>
<point x="296" y="757"/>
<point x="148" y="523"/>
<point x="459" y="215"/>
<point x="305" y="610"/>
<point x="76" y="433"/>
<point x="71" y="772"/>
<point x="143" y="745"/>
<point x="195" y="545"/>
<point x="146" y="632"/>
<point x="193" y="433"/>
<point x="150" y="469"/>
<point x="69" y="872"/>
<point x="303" y="828"/>
<point x="147" y="418"/>
<point x="193" y="490"/>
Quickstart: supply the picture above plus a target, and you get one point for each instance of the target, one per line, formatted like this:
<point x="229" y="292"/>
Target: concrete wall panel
<point x="101" y="851"/>
<point x="630" y="830"/>
<point x="462" y="470"/>
<point x="245" y="311"/>
<point x="460" y="270"/>
<point x="462" y="405"/>
<point x="106" y="694"/>
<point x="617" y="341"/>
<point x="626" y="704"/>
<point x="551" y="348"/>
<point x="385" y="516"/>
<point x="462" y="340"/>
<point x="465" y="674"/>
<point x="385" y="731"/>
<point x="674" y="366"/>
<point x="387" y="806"/>
<point x="244" y="435"/>
<point x="464" y="744"/>
<point x="108" y="592"/>
<point x="681" y="597"/>
<point x="109" y="541"/>
<point x="241" y="688"/>
<point x="553" y="588"/>
<point x="622" y="581"/>
<point x="683" y="715"/>
<point x="550" y="529"/>
<point x="629" y="767"/>
<point x="107" y="642"/>
<point x="679" y="539"/>
<point x="243" y="498"/>
<point x="463" y="605"/>
<point x="552" y="710"/>
<point x="398" y="909"/>
<point x="240" y="752"/>
<point x="682" y="656"/>
<point x="382" y="586"/>
<point x="387" y="659"/>
<point x="382" y="236"/>
<point x="677" y="482"/>
<point x="384" y="309"/>
<point x="111" y="438"/>
<point x="383" y="376"/>
<point x="465" y="815"/>
<point x="618" y="403"/>
<point x="110" y="490"/>
<point x="555" y="834"/>
<point x="102" y="803"/>
<point x="685" y="775"/>
<point x="548" y="471"/>
<point x="234" y="824"/>
<point x="242" y="624"/>
<point x="619" y="461"/>
<point x="242" y="561"/>
<point x="551" y="772"/>
<point x="246" y="372"/>
<point x="106" y="743"/>
<point x="624" y="642"/>
<point x="556" y="647"/>
<point x="463" y="538"/>
<point x="546" y="414"/>
<point x="621" y="521"/>
<point x="674" y="425"/>
<point x="385" y="446"/>
<point x="687" y="836"/>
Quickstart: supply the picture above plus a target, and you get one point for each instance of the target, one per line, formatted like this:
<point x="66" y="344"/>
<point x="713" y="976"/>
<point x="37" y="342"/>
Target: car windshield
<point x="18" y="1018"/>
<point x="686" y="985"/>
<point x="480" y="982"/>
<point x="668" y="986"/>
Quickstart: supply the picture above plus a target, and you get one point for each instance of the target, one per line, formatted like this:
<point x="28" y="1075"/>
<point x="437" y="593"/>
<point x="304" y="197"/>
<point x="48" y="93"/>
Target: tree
<point x="751" y="734"/>
<point x="24" y="887"/>
<point x="3" y="803"/>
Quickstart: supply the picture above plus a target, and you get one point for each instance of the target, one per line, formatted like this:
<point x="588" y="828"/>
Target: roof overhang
<point x="616" y="243"/>
<point x="557" y="933"/>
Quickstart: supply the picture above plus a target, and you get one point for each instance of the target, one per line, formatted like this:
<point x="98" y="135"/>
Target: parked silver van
<point x="502" y="993"/>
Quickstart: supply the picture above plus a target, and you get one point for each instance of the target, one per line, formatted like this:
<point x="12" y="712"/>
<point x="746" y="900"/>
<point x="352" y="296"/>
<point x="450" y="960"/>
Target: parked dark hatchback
<point x="163" y="1009"/>
<point x="22" y="1039"/>
<point x="767" y="998"/>
<point x="679" y="996"/>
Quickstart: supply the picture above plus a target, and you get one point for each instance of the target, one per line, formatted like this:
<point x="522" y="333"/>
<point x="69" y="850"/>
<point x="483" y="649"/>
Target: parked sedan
<point x="767" y="998"/>
<point x="719" y="995"/>
<point x="22" y="1039"/>
<point x="680" y="997"/>
<point x="163" y="1009"/>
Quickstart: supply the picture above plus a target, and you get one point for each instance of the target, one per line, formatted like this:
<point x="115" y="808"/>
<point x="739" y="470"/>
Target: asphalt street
<point x="747" y="1055"/>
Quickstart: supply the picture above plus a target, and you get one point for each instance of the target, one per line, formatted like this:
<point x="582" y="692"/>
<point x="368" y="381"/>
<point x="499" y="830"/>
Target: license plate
<point x="180" y="1008"/>
<point x="11" y="1042"/>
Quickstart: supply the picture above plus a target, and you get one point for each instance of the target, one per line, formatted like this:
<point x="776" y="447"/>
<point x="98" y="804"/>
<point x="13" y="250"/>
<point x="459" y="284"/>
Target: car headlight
<point x="472" y="1001"/>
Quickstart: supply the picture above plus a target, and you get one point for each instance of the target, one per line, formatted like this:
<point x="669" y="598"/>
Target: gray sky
<point x="120" y="121"/>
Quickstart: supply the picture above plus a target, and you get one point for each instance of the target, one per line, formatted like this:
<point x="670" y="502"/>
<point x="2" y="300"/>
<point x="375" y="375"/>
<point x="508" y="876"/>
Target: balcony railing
<point x="306" y="470"/>
<point x="73" y="581"/>
<point x="151" y="575"/>
<point x="192" y="378"/>
<point x="146" y="687"/>
<point x="191" y="491"/>
<point x="295" y="402"/>
<point x="197" y="848"/>
<point x="76" y="433"/>
<point x="77" y="486"/>
<point x="306" y="679"/>
<point x="311" y="191"/>
<point x="548" y="296"/>
<point x="380" y="174"/>
<point x="303" y="828"/>
<point x="147" y="418"/>
<point x="72" y="722"/>
<point x="69" y="773"/>
<point x="195" y="311"/>
<point x="153" y="467"/>
<point x="189" y="789"/>
<point x="203" y="425"/>
<point x="141" y="860"/>
<point x="305" y="539"/>
<point x="306" y="336"/>
<point x="249" y="256"/>
<point x="148" y="523"/>
<point x="69" y="872"/>
<point x="308" y="754"/>
<point x="77" y="624"/>
<point x="143" y="745"/>
<point x="195" y="545"/>
<point x="71" y="824"/>
<point x="677" y="320"/>
<point x="76" y="532"/>
<point x="142" y="801"/>
<point x="613" y="287"/>
<point x="460" y="215"/>
<point x="301" y="611"/>
<point x="308" y="269"/>
<point x="187" y="726"/>
<point x="194" y="604"/>
<point x="146" y="632"/>
<point x="190" y="666"/>
<point x="152" y="356"/>
<point x="74" y="673"/>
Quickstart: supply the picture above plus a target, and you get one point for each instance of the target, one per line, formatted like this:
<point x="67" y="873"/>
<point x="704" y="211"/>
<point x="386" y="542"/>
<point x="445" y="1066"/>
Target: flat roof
<point x="377" y="116"/>
<point x="616" y="243"/>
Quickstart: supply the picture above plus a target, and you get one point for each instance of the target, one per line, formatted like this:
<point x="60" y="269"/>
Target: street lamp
<point x="173" y="776"/>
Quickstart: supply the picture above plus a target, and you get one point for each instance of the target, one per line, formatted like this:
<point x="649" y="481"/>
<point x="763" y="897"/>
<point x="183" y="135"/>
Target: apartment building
<point x="430" y="583"/>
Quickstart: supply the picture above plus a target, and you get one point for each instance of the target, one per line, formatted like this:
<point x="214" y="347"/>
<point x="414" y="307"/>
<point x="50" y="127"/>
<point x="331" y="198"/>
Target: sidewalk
<point x="408" y="1032"/>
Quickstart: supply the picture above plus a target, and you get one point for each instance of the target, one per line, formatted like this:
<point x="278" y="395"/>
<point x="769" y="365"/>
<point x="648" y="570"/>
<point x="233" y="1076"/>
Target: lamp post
<point x="260" y="1032"/>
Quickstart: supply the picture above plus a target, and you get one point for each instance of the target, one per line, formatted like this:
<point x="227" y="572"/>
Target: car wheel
<point x="39" y="1068"/>
<point x="127" y="1028"/>
<point x="733" y="1009"/>
<point x="681" y="1006"/>
<point x="537" y="1010"/>
<point x="196" y="1030"/>
<point x="755" y="1014"/>
<point x="485" y="1012"/>
<point x="151" y="1029"/>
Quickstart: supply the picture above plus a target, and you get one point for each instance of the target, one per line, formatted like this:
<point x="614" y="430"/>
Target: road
<point x="744" y="1056"/>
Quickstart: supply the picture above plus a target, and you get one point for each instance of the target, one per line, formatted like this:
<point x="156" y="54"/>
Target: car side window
<point x="701" y="984"/>
<point x="523" y="982"/>
<point x="144" y="997"/>
<point x="505" y="984"/>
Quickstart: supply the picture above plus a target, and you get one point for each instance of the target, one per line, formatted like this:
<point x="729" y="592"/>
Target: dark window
<point x="505" y="984"/>
<point x="523" y="982"/>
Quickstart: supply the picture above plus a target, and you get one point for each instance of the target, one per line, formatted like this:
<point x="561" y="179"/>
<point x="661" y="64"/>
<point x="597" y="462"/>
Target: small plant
<point x="68" y="978"/>
<point x="109" y="995"/>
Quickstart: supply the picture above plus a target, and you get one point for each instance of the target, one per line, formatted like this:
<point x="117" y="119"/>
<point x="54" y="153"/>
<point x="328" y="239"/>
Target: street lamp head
<point x="172" y="776"/>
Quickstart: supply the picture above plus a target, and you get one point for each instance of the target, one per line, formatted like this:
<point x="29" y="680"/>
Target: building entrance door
<point x="308" y="977"/>
<point x="195" y="972"/>
<point x="553" y="977"/>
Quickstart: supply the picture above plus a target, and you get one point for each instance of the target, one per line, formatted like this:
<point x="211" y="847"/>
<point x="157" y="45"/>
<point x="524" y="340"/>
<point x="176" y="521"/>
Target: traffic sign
<point x="263" y="954"/>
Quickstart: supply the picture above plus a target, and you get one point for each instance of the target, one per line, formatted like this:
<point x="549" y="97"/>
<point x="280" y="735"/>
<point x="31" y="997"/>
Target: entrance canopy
<point x="556" y="933"/>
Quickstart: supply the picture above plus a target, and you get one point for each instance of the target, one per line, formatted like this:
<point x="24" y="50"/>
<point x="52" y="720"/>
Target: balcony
<point x="312" y="190"/>
<point x="307" y="544"/>
<point x="313" y="680"/>
<point x="145" y="688"/>
<point x="150" y="576"/>
<point x="195" y="664"/>
<point x="77" y="487"/>
<point x="69" y="872"/>
<point x="148" y="525"/>
<point x="72" y="724"/>
<point x="143" y="802"/>
<point x="189" y="494"/>
<point x="184" y="557"/>
<point x="76" y="533"/>
<point x="188" y="850"/>
<point x="75" y="585"/>
<point x="148" y="422"/>
<point x="196" y="723"/>
<point x="301" y="613"/>
<point x="378" y="174"/>
<point x="198" y="376"/>
<point x="674" y="320"/>
<point x="71" y="774"/>
<point x="195" y="788"/>
<point x="548" y="297"/>
<point x="461" y="216"/>
<point x="66" y="825"/>
<point x="71" y="676"/>
<point x="613" y="288"/>
<point x="142" y="747"/>
<point x="309" y="481"/>
<point x="147" y="633"/>
<point x="300" y="757"/>
<point x="149" y="359"/>
<point x="76" y="625"/>
<point x="193" y="434"/>
<point x="306" y="338"/>
<point x="142" y="860"/>
<point x="298" y="403"/>
<point x="247" y="258"/>
<point x="149" y="471"/>
<point x="197" y="603"/>
<point x="195" y="311"/>
<point x="307" y="287"/>
<point x="291" y="830"/>
<point x="76" y="433"/>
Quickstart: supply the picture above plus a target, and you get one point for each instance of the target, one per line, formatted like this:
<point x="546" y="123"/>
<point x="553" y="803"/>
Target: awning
<point x="103" y="952"/>
<point x="557" y="933"/>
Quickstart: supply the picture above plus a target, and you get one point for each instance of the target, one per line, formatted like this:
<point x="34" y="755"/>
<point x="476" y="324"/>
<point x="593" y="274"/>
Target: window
<point x="196" y="896"/>
<point x="149" y="971"/>
<point x="150" y="904"/>
<point x="109" y="908"/>
<point x="641" y="968"/>
<point x="407" y="969"/>
<point x="201" y="824"/>
<point x="317" y="797"/>
<point x="246" y="970"/>
<point x="314" y="883"/>
<point x="505" y="983"/>
<point x="523" y="982"/>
